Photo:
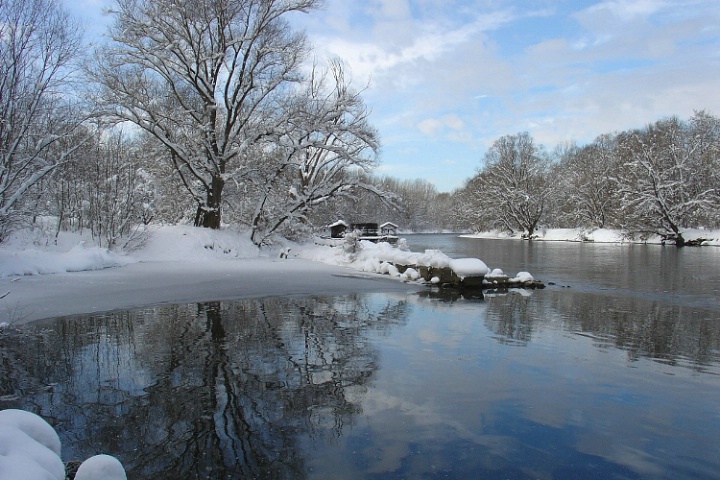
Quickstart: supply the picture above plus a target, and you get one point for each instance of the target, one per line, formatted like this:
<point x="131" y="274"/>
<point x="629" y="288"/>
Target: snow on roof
<point x="388" y="224"/>
<point x="337" y="224"/>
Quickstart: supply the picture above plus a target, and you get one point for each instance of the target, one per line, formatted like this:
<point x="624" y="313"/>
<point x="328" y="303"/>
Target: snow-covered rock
<point x="30" y="450"/>
<point x="523" y="277"/>
<point x="101" y="467"/>
<point x="469" y="267"/>
<point x="33" y="425"/>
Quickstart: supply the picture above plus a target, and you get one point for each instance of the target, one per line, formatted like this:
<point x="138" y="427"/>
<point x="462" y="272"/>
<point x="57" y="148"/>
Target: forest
<point x="208" y="113"/>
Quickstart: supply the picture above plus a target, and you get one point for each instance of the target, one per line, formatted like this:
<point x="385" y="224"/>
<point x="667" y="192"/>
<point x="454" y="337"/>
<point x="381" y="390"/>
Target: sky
<point x="444" y="79"/>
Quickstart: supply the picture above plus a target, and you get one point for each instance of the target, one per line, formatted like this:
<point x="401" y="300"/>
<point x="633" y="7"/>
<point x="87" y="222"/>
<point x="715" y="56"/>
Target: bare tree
<point x="205" y="79"/>
<point x="38" y="43"/>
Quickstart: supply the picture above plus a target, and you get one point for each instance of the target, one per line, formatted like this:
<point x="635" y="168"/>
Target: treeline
<point x="657" y="180"/>
<point x="661" y="179"/>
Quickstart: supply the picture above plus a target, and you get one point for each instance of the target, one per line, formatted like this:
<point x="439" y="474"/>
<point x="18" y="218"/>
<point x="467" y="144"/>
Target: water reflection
<point x="376" y="386"/>
<point x="217" y="390"/>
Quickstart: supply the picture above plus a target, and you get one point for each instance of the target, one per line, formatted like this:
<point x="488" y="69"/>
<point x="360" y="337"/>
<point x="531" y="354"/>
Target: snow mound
<point x="101" y="467"/>
<point x="469" y="267"/>
<point x="78" y="258"/>
<point x="30" y="450"/>
<point x="34" y="426"/>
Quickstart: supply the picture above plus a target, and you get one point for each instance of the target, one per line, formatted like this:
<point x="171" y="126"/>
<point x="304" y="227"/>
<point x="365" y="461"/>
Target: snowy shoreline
<point x="176" y="264"/>
<point x="179" y="264"/>
<point x="601" y="235"/>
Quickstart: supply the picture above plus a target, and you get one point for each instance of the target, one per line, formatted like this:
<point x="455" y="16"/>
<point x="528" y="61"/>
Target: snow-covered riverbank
<point x="174" y="265"/>
<point x="601" y="235"/>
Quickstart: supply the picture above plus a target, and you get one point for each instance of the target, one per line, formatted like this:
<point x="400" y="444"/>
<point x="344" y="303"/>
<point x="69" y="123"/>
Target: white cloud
<point x="451" y="76"/>
<point x="435" y="126"/>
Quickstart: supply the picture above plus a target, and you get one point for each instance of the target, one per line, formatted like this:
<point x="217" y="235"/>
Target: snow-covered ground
<point x="42" y="278"/>
<point x="176" y="264"/>
<point x="601" y="235"/>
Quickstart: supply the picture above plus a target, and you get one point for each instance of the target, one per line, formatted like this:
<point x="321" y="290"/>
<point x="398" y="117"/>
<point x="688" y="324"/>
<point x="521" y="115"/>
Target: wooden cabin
<point x="338" y="229"/>
<point x="388" y="228"/>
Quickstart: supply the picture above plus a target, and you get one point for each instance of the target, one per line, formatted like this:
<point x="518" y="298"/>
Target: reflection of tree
<point x="214" y="390"/>
<point x="662" y="331"/>
<point x="512" y="318"/>
<point x="665" y="332"/>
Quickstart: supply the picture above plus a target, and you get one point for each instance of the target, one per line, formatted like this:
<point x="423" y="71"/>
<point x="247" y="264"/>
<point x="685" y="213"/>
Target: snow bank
<point x="38" y="262"/>
<point x="23" y="254"/>
<point x="30" y="449"/>
<point x="600" y="235"/>
<point x="186" y="243"/>
<point x="27" y="255"/>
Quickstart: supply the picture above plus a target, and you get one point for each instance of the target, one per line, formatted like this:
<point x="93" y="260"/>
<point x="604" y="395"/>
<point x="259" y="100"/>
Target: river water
<point x="611" y="372"/>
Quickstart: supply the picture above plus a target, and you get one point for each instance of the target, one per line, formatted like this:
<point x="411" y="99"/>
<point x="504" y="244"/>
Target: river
<point x="611" y="372"/>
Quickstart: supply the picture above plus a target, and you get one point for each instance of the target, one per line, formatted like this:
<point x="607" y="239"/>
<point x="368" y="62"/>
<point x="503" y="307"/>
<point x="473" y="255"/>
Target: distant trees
<point x="661" y="179"/>
<point x="512" y="190"/>
<point x="665" y="176"/>
<point x="38" y="118"/>
<point x="587" y="191"/>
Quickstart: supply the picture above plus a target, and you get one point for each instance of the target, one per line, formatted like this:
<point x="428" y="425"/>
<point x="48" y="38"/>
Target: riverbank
<point x="173" y="265"/>
<point x="600" y="235"/>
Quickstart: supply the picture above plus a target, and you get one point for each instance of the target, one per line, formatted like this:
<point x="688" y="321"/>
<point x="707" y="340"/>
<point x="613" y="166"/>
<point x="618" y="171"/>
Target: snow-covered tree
<point x="38" y="44"/>
<point x="663" y="180"/>
<point x="103" y="188"/>
<point x="587" y="196"/>
<point x="121" y="193"/>
<point x="206" y="79"/>
<point x="512" y="189"/>
<point x="317" y="155"/>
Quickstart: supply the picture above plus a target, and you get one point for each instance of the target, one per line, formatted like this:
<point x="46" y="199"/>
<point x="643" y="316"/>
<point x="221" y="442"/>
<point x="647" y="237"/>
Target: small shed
<point x="338" y="229"/>
<point x="388" y="228"/>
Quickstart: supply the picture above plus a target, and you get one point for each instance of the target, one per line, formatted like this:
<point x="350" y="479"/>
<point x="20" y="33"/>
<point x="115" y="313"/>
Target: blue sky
<point x="446" y="78"/>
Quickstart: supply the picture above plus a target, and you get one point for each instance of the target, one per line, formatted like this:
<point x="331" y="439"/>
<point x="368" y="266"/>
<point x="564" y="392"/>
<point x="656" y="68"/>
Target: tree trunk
<point x="679" y="240"/>
<point x="209" y="214"/>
